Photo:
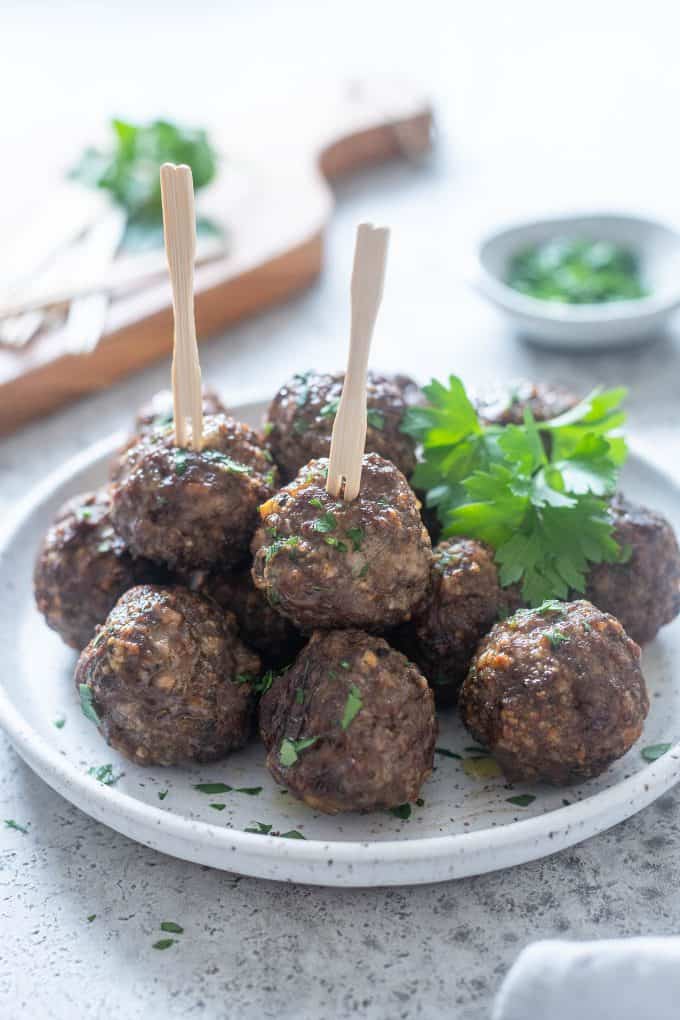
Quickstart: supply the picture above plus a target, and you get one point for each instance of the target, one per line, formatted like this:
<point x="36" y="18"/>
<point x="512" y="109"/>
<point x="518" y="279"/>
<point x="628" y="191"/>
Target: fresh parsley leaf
<point x="655" y="751"/>
<point x="128" y="168"/>
<point x="172" y="926"/>
<point x="290" y="749"/>
<point x="353" y="706"/>
<point x="86" y="703"/>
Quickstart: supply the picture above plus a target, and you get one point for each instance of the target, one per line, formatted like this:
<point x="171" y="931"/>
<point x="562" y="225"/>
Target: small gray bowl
<point x="595" y="326"/>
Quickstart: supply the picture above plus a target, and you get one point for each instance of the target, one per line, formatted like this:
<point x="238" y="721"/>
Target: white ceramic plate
<point x="465" y="826"/>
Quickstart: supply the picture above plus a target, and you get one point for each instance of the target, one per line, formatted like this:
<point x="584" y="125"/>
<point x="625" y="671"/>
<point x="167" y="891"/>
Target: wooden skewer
<point x="179" y="229"/>
<point x="349" y="430"/>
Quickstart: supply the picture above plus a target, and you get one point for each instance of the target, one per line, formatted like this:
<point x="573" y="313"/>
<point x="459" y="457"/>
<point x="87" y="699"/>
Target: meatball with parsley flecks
<point x="350" y="726"/>
<point x="264" y="630"/>
<point x="301" y="415"/>
<point x="82" y="568"/>
<point x="167" y="678"/>
<point x="556" y="693"/>
<point x="159" y="411"/>
<point x="462" y="604"/>
<point x="192" y="509"/>
<point x="324" y="562"/>
<point x="644" y="590"/>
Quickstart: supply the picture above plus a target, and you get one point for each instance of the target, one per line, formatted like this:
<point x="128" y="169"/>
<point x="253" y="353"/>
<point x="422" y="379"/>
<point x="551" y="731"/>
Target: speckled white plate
<point x="465" y="826"/>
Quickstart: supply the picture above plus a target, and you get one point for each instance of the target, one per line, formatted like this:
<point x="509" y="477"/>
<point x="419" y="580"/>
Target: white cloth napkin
<point x="612" y="979"/>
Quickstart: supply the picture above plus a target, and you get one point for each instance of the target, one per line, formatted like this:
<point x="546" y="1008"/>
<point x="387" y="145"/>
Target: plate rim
<point x="617" y="802"/>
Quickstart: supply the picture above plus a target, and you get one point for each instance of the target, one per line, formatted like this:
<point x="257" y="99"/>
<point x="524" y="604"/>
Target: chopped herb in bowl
<point x="577" y="271"/>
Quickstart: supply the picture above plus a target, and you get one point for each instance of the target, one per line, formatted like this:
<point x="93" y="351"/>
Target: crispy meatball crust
<point x="83" y="567"/>
<point x="505" y="404"/>
<point x="326" y="563"/>
<point x="159" y="412"/>
<point x="463" y="602"/>
<point x="189" y="509"/>
<point x="167" y="674"/>
<point x="264" y="630"/>
<point x="644" y="592"/>
<point x="382" y="756"/>
<point x="557" y="694"/>
<point x="301" y="415"/>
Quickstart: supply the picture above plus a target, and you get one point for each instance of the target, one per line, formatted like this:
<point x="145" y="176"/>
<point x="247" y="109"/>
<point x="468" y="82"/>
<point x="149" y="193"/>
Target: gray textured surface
<point x="508" y="145"/>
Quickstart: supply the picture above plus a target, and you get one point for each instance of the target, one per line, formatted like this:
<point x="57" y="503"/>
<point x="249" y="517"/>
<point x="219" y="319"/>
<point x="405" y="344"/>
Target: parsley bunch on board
<point x="129" y="169"/>
<point x="545" y="514"/>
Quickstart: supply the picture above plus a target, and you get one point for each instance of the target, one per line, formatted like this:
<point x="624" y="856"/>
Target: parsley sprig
<point x="536" y="492"/>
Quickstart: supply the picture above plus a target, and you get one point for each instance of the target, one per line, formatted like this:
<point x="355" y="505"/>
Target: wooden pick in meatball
<point x="644" y="591"/>
<point x="351" y="726"/>
<point x="264" y="630"/>
<point x="323" y="562"/>
<point x="158" y="412"/>
<point x="464" y="600"/>
<point x="192" y="509"/>
<point x="556" y="693"/>
<point x="168" y="678"/>
<point x="300" y="419"/>
<point x="83" y="567"/>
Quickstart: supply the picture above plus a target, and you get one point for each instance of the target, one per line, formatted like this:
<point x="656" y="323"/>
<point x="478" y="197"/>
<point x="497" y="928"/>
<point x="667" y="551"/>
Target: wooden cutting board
<point x="275" y="200"/>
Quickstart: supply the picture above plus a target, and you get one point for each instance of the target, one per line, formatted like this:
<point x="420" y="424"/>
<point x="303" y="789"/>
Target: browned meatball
<point x="351" y="726"/>
<point x="169" y="679"/>
<point x="301" y="415"/>
<point x="83" y="567"/>
<point x="326" y="563"/>
<point x="643" y="592"/>
<point x="505" y="404"/>
<point x="189" y="509"/>
<point x="463" y="602"/>
<point x="263" y="629"/>
<point x="159" y="412"/>
<point x="556" y="693"/>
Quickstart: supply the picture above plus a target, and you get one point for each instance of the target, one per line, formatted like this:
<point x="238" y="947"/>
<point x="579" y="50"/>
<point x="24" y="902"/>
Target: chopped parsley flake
<point x="90" y="918"/>
<point x="551" y="606"/>
<point x="83" y="513"/>
<point x="376" y="419"/>
<point x="180" y="462"/>
<point x="218" y="807"/>
<point x="290" y="749"/>
<point x="86" y="703"/>
<point x="60" y="722"/>
<point x="353" y="706"/>
<point x="556" y="638"/>
<point x="172" y="926"/>
<point x="262" y="685"/>
<point x="243" y="678"/>
<point x="344" y="664"/>
<point x="521" y="800"/>
<point x="292" y="834"/>
<point x="164" y="943"/>
<point x="279" y="545"/>
<point x="655" y="751"/>
<point x="162" y="794"/>
<point x="363" y="571"/>
<point x="325" y="523"/>
<point x="300" y="426"/>
<point x="212" y="788"/>
<point x="357" y="536"/>
<point x="335" y="543"/>
<point x="104" y="774"/>
<point x="330" y="409"/>
<point x="11" y="824"/>
<point x="420" y="802"/>
<point x="234" y="467"/>
<point x="260" y="829"/>
<point x="316" y="502"/>
<point x="401" y="811"/>
<point x="268" y="428"/>
<point x="299" y="696"/>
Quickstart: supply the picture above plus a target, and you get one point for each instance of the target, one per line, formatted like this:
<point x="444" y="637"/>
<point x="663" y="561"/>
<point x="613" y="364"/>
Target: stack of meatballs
<point x="207" y="589"/>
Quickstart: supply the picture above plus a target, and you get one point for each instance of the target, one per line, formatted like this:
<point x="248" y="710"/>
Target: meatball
<point x="269" y="633"/>
<point x="159" y="411"/>
<point x="463" y="602"/>
<point x="326" y="563"/>
<point x="643" y="592"/>
<point x="504" y="405"/>
<point x="83" y="567"/>
<point x="351" y="726"/>
<point x="556" y="693"/>
<point x="169" y="679"/>
<point x="300" y="419"/>
<point x="192" y="509"/>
